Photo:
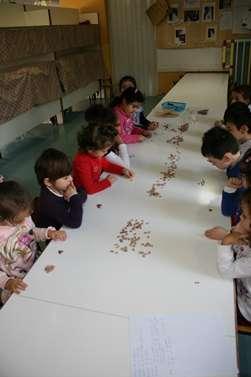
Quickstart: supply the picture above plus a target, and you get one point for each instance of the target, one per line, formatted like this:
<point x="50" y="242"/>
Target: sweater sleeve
<point x="143" y="120"/>
<point x="68" y="215"/>
<point x="123" y="153"/>
<point x="115" y="159"/>
<point x="230" y="201"/>
<point x="232" y="268"/>
<point x="130" y="139"/>
<point x="86" y="179"/>
<point x="234" y="171"/>
<point x="137" y="130"/>
<point x="112" y="168"/>
<point x="73" y="216"/>
<point x="41" y="234"/>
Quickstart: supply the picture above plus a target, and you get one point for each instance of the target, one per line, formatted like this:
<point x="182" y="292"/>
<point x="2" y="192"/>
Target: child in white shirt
<point x="234" y="257"/>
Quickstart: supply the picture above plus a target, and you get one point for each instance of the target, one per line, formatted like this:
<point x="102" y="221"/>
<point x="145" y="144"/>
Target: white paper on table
<point x="183" y="346"/>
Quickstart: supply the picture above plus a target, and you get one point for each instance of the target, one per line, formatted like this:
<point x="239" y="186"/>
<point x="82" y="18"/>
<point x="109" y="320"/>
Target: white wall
<point x="11" y="15"/>
<point x="38" y="18"/>
<point x="132" y="43"/>
<point x="196" y="59"/>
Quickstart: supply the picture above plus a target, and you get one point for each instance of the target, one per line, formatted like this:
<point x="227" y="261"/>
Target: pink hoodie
<point x="129" y="133"/>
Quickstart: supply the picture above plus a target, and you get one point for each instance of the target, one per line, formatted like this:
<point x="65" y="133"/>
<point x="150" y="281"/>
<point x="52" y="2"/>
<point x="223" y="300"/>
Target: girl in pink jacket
<point x="18" y="236"/>
<point x="129" y="101"/>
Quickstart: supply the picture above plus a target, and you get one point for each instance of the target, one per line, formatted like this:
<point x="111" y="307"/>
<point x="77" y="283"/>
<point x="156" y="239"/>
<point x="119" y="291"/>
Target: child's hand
<point x="147" y="133"/>
<point x="217" y="233"/>
<point x="70" y="191"/>
<point x="141" y="138"/>
<point x="56" y="235"/>
<point x="235" y="238"/>
<point x="152" y="126"/>
<point x="128" y="173"/>
<point x="15" y="285"/>
<point x="112" y="178"/>
<point x="234" y="182"/>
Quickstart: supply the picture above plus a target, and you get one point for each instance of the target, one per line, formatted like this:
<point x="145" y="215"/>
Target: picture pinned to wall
<point x="211" y="33"/>
<point x="208" y="12"/>
<point x="191" y="3"/>
<point x="180" y="36"/>
<point x="225" y="4"/>
<point x="192" y="15"/>
<point x="173" y="13"/>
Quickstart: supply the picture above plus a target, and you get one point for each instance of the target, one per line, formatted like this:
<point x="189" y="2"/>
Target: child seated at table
<point x="233" y="197"/>
<point x="237" y="119"/>
<point x="242" y="93"/>
<point x="222" y="150"/>
<point x="239" y="93"/>
<point x="234" y="258"/>
<point x="138" y="116"/>
<point x="129" y="101"/>
<point x="59" y="202"/>
<point x="18" y="236"/>
<point x="94" y="142"/>
<point x="118" y="153"/>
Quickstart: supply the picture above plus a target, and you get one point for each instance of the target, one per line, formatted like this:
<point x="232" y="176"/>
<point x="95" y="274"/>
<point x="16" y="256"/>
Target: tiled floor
<point x="19" y="159"/>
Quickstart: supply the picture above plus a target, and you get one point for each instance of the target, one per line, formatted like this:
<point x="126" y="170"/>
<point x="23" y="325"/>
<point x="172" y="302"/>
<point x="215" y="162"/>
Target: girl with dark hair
<point x="130" y="101"/>
<point x="94" y="142"/>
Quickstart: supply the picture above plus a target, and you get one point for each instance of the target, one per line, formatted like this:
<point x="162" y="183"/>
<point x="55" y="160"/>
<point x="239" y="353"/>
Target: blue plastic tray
<point x="178" y="107"/>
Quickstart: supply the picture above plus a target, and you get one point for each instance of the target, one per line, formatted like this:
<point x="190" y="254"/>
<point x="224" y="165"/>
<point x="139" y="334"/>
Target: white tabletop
<point x="39" y="339"/>
<point x="180" y="274"/>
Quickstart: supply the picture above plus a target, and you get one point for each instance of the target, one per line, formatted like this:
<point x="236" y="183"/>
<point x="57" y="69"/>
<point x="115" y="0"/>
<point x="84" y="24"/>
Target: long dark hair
<point x="96" y="136"/>
<point x="131" y="95"/>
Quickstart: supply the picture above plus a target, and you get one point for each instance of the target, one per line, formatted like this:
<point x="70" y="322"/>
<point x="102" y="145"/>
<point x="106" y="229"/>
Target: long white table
<point x="94" y="288"/>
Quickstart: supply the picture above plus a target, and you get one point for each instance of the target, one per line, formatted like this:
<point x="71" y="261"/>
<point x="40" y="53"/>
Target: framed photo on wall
<point x="180" y="36"/>
<point x="208" y="12"/>
<point x="211" y="33"/>
<point x="225" y="4"/>
<point x="192" y="15"/>
<point x="173" y="13"/>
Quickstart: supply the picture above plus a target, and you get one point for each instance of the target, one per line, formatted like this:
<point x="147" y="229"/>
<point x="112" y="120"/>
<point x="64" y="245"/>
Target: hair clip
<point x="248" y="159"/>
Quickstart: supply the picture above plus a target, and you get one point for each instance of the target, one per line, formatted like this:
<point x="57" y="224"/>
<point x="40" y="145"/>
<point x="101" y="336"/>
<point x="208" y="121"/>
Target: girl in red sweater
<point x="94" y="142"/>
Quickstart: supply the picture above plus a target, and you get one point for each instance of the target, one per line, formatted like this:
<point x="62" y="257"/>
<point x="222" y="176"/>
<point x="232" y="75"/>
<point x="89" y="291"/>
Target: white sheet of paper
<point x="181" y="346"/>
